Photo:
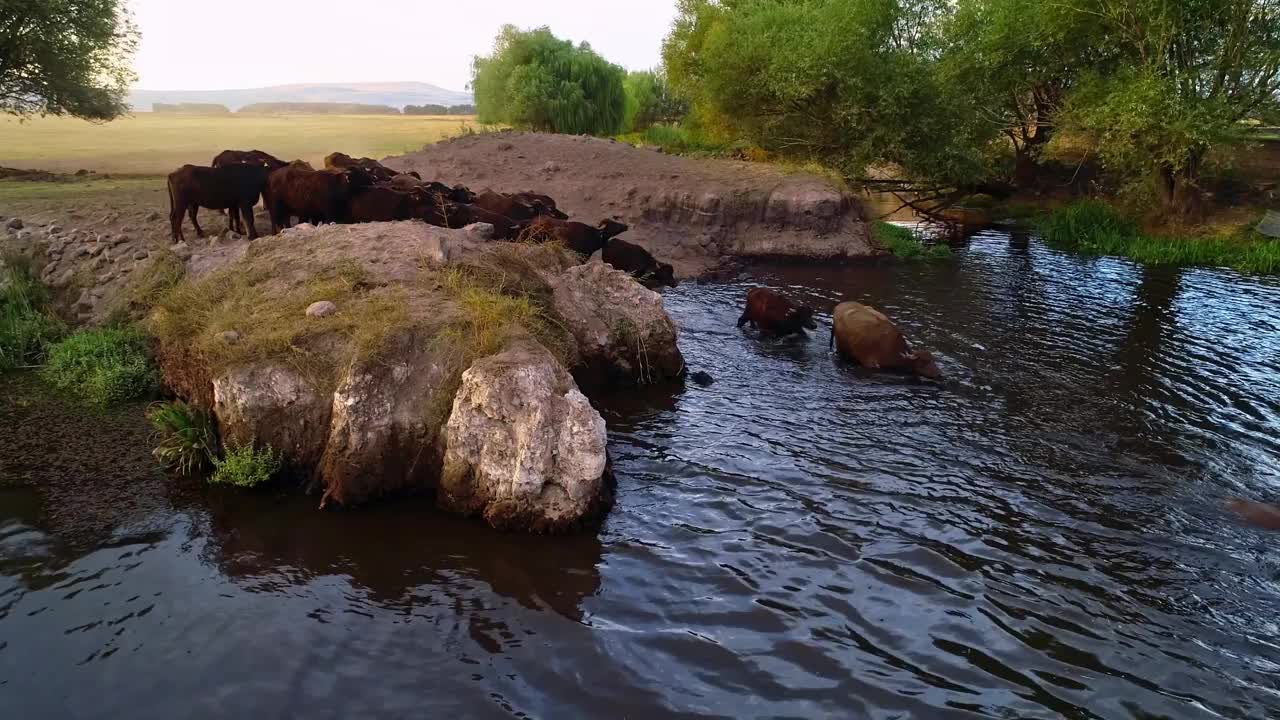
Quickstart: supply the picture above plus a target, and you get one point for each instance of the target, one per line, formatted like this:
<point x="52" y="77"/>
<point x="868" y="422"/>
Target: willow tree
<point x="649" y="100"/>
<point x="537" y="81"/>
<point x="66" y="57"/>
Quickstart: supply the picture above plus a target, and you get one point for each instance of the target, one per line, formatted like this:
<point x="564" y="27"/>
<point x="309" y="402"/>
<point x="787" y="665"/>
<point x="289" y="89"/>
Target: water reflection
<point x="1042" y="536"/>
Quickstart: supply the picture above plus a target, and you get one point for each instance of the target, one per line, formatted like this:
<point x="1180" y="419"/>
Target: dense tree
<point x="535" y="80"/>
<point x="66" y="57"/>
<point x="1021" y="57"/>
<point x="852" y="83"/>
<point x="1188" y="73"/>
<point x="649" y="100"/>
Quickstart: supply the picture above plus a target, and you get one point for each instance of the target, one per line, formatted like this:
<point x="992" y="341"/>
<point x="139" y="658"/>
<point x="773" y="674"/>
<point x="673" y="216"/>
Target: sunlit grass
<point x="149" y="143"/>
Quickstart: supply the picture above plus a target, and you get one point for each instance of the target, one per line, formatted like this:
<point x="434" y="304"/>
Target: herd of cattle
<point x="351" y="190"/>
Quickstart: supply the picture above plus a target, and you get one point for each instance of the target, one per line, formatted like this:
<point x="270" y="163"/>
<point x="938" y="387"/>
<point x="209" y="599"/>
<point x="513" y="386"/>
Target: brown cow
<point x="544" y="203"/>
<point x="775" y="314"/>
<point x="576" y="236"/>
<point x="866" y="336"/>
<point x="341" y="161"/>
<point x="314" y="196"/>
<point x="1257" y="514"/>
<point x="246" y="157"/>
<point x="384" y="204"/>
<point x="234" y="188"/>
<point x="459" y="215"/>
<point x="504" y="205"/>
<point x="633" y="259"/>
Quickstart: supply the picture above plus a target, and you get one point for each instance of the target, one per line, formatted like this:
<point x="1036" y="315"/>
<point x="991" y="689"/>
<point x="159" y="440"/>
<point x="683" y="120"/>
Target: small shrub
<point x="185" y="440"/>
<point x="903" y="243"/>
<point x="26" y="328"/>
<point x="247" y="466"/>
<point x="102" y="367"/>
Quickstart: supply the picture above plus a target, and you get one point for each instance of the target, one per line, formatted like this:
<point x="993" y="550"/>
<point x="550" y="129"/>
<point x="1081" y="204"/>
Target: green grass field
<point x="154" y="144"/>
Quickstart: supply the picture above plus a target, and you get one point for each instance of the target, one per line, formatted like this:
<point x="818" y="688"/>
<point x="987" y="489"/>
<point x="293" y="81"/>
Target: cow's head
<point x="802" y="317"/>
<point x="922" y="363"/>
<point x="610" y="228"/>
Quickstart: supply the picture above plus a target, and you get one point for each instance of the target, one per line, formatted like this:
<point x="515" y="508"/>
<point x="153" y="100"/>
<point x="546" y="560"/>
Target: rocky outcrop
<point x="391" y="389"/>
<point x="623" y="334"/>
<point x="384" y="429"/>
<point x="525" y="449"/>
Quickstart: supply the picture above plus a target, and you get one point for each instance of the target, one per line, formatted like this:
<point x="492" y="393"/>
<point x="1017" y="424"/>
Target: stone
<point x="85" y="302"/>
<point x="96" y="249"/>
<point x="270" y="404"/>
<point x="14" y="224"/>
<point x="65" y="278"/>
<point x="623" y="333"/>
<point x="54" y="229"/>
<point x="182" y="250"/>
<point x="120" y="240"/>
<point x="321" y="309"/>
<point x="49" y="269"/>
<point x="141" y="255"/>
<point x="387" y="422"/>
<point x="551" y="167"/>
<point x="24" y="236"/>
<point x="153" y="216"/>
<point x="230" y="337"/>
<point x="524" y="448"/>
<point x="480" y="231"/>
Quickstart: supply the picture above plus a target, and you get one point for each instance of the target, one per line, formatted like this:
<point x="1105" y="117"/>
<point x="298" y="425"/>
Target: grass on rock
<point x="1095" y="228"/>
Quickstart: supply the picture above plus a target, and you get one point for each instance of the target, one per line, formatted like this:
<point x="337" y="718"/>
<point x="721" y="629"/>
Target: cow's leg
<point x="176" y="211"/>
<point x="195" y="208"/>
<point x="744" y="319"/>
<point x="233" y="220"/>
<point x="246" y="211"/>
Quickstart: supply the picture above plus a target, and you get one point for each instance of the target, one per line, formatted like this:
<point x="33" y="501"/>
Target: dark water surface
<point x="1043" y="536"/>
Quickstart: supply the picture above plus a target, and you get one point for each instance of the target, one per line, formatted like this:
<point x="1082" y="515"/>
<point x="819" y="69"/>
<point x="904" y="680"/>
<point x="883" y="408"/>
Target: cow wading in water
<point x="864" y="335"/>
<point x="775" y="314"/>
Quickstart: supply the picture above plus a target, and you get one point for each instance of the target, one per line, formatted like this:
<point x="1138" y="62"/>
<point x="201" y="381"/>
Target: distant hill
<point x="395" y="94"/>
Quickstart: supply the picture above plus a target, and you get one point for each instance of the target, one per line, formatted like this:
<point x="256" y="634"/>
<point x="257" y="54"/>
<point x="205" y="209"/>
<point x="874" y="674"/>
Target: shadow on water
<point x="1040" y="536"/>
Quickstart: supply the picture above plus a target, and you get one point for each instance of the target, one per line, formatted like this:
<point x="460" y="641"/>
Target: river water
<point x="1043" y="535"/>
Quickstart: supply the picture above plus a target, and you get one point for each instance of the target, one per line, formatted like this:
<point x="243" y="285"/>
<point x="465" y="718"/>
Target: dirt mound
<point x="692" y="212"/>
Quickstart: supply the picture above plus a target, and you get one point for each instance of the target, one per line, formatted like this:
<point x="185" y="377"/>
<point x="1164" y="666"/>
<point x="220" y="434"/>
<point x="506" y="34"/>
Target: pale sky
<point x="203" y="45"/>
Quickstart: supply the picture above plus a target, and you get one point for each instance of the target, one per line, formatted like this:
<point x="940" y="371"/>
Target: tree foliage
<point x="650" y="100"/>
<point x="949" y="91"/>
<point x="535" y="80"/>
<point x="852" y="83"/>
<point x="66" y="57"/>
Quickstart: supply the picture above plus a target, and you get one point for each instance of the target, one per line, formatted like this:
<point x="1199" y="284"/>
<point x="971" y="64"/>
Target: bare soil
<point x="692" y="212"/>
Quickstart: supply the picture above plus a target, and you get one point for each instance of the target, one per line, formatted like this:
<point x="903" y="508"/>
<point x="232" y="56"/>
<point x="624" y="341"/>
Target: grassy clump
<point x="1095" y="228"/>
<point x="184" y="435"/>
<point x="102" y="367"/>
<point x="675" y="140"/>
<point x="247" y="466"/>
<point x="903" y="243"/>
<point x="26" y="327"/>
<point x="269" y="314"/>
<point x="147" y="285"/>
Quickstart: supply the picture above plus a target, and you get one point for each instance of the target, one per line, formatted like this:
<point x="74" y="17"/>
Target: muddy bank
<point x="691" y="212"/>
